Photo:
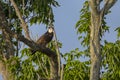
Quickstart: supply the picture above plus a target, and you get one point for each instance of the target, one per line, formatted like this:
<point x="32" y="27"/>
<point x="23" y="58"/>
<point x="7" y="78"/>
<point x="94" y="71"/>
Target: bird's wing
<point x="45" y="38"/>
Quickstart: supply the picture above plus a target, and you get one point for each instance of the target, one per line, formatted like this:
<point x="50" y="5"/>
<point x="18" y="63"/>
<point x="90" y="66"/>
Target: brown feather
<point x="44" y="40"/>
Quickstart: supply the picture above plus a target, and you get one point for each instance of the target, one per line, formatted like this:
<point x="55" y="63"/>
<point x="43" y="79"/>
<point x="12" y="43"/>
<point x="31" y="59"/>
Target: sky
<point x="66" y="17"/>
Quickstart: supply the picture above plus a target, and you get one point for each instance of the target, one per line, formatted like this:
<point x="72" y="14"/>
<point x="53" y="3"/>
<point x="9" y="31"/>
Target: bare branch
<point x="57" y="51"/>
<point x="107" y="6"/>
<point x="24" y="25"/>
<point x="98" y="4"/>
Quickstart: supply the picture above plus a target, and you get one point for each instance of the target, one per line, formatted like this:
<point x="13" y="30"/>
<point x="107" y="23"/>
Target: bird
<point x="45" y="38"/>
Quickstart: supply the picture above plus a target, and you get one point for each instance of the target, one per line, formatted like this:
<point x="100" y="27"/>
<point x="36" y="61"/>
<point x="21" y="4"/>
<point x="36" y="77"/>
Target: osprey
<point x="45" y="38"/>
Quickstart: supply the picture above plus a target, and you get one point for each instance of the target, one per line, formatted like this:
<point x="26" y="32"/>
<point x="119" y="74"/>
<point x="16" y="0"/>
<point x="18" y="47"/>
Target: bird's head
<point x="50" y="29"/>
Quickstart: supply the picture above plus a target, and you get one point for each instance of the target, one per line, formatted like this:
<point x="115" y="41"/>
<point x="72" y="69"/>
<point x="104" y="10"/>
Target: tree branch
<point x="28" y="42"/>
<point x="24" y="25"/>
<point x="58" y="53"/>
<point x="107" y="6"/>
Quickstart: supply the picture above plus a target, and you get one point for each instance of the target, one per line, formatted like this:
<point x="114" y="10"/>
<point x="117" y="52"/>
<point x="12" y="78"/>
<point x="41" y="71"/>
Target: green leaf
<point x="118" y="31"/>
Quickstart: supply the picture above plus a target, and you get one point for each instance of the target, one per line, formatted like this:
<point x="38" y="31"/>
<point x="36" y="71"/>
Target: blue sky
<point x="66" y="17"/>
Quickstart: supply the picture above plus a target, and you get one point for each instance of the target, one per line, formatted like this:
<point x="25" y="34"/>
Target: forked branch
<point x="24" y="25"/>
<point x="107" y="6"/>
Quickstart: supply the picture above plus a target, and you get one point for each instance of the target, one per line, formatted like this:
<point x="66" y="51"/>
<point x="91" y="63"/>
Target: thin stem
<point x="58" y="54"/>
<point x="24" y="25"/>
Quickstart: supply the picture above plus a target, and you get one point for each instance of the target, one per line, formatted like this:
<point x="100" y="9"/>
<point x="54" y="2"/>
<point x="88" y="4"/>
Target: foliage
<point x="31" y="67"/>
<point x="118" y="31"/>
<point x="42" y="11"/>
<point x="37" y="66"/>
<point x="23" y="65"/>
<point x="111" y="61"/>
<point x="33" y="11"/>
<point x="74" y="68"/>
<point x="110" y="51"/>
<point x="84" y="23"/>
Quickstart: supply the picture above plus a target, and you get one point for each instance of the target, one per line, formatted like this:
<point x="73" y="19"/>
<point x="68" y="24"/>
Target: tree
<point x="93" y="23"/>
<point x="97" y="16"/>
<point x="13" y="24"/>
<point x="21" y="65"/>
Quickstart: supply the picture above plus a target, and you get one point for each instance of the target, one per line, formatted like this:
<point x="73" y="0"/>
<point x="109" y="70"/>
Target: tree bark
<point x="58" y="56"/>
<point x="9" y="50"/>
<point x="95" y="52"/>
<point x="5" y="72"/>
<point x="54" y="68"/>
<point x="24" y="25"/>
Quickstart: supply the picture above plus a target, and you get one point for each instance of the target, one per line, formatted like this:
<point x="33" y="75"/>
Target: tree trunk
<point x="95" y="47"/>
<point x="4" y="71"/>
<point x="9" y="49"/>
<point x="54" y="68"/>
